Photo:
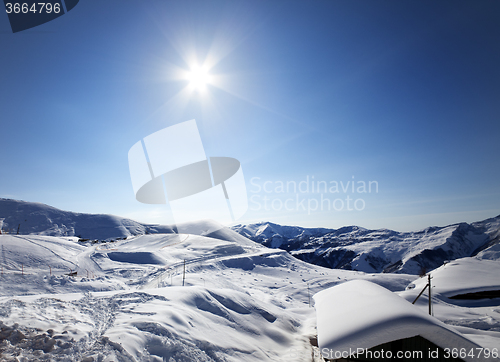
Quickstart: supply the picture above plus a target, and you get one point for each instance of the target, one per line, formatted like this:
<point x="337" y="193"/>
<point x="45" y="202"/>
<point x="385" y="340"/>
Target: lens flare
<point x="198" y="78"/>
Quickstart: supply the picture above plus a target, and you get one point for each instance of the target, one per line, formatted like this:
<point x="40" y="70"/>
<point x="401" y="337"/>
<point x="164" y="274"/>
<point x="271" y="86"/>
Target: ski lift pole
<point x="184" y="273"/>
<point x="422" y="292"/>
<point x="430" y="298"/>
<point x="428" y="285"/>
<point x="309" y="295"/>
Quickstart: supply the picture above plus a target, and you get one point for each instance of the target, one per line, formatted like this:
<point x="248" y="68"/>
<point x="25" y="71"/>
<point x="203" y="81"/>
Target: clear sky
<point x="405" y="94"/>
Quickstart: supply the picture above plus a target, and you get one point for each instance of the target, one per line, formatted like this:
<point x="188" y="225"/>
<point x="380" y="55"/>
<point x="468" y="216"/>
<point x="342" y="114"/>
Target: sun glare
<point x="198" y="78"/>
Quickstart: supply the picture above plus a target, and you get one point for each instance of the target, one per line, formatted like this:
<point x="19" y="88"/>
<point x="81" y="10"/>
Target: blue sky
<point x="406" y="94"/>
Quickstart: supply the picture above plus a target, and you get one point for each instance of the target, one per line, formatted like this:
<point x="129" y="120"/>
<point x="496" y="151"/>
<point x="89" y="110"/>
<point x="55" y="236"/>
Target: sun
<point x="198" y="78"/>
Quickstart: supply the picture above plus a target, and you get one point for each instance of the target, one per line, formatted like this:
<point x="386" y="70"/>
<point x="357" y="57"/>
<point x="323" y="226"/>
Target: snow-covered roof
<point x="461" y="276"/>
<point x="360" y="314"/>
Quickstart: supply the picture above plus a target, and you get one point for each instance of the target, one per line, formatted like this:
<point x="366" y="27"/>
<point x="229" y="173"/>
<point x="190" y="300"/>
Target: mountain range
<point x="28" y="218"/>
<point x="149" y="294"/>
<point x="349" y="248"/>
<point x="383" y="250"/>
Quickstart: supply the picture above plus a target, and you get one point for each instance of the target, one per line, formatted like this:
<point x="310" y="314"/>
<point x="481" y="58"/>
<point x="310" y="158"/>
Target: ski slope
<point x="240" y="301"/>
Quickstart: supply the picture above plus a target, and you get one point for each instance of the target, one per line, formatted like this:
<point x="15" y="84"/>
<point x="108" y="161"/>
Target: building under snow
<point x="362" y="321"/>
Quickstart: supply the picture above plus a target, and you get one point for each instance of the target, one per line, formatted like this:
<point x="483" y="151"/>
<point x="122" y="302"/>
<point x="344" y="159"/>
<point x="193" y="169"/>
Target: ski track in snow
<point x="47" y="248"/>
<point x="239" y="302"/>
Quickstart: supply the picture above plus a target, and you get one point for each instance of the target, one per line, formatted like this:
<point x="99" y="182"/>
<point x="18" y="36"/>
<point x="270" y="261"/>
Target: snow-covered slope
<point x="490" y="250"/>
<point x="132" y="301"/>
<point x="41" y="219"/>
<point x="463" y="276"/>
<point x="217" y="296"/>
<point x="458" y="278"/>
<point x="352" y="248"/>
<point x="240" y="301"/>
<point x="383" y="250"/>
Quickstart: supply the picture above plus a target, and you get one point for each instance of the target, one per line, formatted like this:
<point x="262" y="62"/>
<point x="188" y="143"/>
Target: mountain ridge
<point x="381" y="250"/>
<point x="41" y="219"/>
<point x="349" y="247"/>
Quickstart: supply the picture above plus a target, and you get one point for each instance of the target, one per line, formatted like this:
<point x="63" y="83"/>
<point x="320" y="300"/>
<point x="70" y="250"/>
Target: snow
<point x="479" y="320"/>
<point x="461" y="276"/>
<point x="41" y="219"/>
<point x="360" y="315"/>
<point x="38" y="252"/>
<point x="241" y="301"/>
<point x="381" y="250"/>
<point x="492" y="253"/>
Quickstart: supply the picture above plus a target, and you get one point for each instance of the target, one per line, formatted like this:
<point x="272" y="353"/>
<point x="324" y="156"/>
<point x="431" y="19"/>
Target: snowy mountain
<point x="132" y="301"/>
<point x="351" y="248"/>
<point x="160" y="297"/>
<point x="209" y="298"/>
<point x="41" y="219"/>
<point x="355" y="248"/>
